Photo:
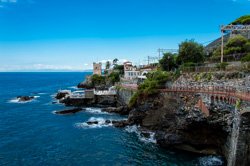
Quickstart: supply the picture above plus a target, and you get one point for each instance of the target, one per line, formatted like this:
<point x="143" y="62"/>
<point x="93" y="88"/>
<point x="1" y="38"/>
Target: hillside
<point x="244" y="20"/>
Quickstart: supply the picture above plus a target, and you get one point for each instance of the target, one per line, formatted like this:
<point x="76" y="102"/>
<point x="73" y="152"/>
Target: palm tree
<point x="115" y="61"/>
<point x="107" y="65"/>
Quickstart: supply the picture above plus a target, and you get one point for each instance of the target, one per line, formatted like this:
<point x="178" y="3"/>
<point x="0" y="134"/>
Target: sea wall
<point x="243" y="144"/>
<point x="124" y="95"/>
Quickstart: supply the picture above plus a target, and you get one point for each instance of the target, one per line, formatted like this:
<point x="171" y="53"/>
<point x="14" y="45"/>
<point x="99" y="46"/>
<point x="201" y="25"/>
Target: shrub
<point x="155" y="81"/>
<point x="133" y="99"/>
<point x="246" y="58"/>
<point x="114" y="77"/>
<point x="97" y="80"/>
<point x="190" y="51"/>
<point x="222" y="65"/>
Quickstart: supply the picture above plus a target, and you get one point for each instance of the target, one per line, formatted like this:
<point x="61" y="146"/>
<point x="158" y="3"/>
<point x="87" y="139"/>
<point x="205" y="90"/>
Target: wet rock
<point x="78" y="102"/>
<point x="85" y="85"/>
<point x="92" y="122"/>
<point x="179" y="125"/>
<point x="25" y="98"/>
<point x="120" y="124"/>
<point x="69" y="111"/>
<point x="61" y="95"/>
<point x="145" y="134"/>
<point x="122" y="110"/>
<point x="108" y="121"/>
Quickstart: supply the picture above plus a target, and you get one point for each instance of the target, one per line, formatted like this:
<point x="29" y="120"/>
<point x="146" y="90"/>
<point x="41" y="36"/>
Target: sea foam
<point x="140" y="134"/>
<point x="101" y="123"/>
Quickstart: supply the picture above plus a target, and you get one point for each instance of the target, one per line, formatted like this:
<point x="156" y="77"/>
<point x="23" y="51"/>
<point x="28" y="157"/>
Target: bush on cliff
<point x="114" y="77"/>
<point x="155" y="81"/>
<point x="97" y="80"/>
<point x="246" y="58"/>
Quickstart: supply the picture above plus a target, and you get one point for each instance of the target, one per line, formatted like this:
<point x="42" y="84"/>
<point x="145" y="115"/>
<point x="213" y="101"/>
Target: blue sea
<point x="31" y="134"/>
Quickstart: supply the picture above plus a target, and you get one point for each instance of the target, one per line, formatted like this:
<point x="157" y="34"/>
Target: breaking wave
<point x="101" y="122"/>
<point x="210" y="161"/>
<point x="95" y="111"/>
<point x="145" y="136"/>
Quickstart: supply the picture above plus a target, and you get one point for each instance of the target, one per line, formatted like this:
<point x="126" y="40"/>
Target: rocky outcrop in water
<point x="61" y="95"/>
<point x="25" y="98"/>
<point x="122" y="110"/>
<point x="69" y="111"/>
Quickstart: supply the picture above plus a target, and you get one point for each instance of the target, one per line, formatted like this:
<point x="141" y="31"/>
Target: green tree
<point x="237" y="44"/>
<point x="108" y="65"/>
<point x="119" y="68"/>
<point x="114" y="77"/>
<point x="167" y="62"/>
<point x="246" y="58"/>
<point x="115" y="61"/>
<point x="245" y="20"/>
<point x="97" y="80"/>
<point x="190" y="51"/>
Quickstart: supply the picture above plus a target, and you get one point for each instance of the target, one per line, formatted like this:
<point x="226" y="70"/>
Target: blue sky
<point x="68" y="35"/>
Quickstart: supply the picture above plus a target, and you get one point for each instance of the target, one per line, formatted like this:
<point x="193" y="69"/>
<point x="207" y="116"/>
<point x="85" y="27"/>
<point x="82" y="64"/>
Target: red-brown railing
<point x="229" y="91"/>
<point x="216" y="90"/>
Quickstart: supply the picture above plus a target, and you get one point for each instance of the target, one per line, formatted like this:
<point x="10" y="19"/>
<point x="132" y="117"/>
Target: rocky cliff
<point x="179" y="125"/>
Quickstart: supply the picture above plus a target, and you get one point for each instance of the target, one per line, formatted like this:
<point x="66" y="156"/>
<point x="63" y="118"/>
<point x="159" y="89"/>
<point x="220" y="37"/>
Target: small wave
<point x="210" y="161"/>
<point x="41" y="93"/>
<point x="73" y="87"/>
<point x="101" y="122"/>
<point x="15" y="100"/>
<point x="144" y="136"/>
<point x="95" y="111"/>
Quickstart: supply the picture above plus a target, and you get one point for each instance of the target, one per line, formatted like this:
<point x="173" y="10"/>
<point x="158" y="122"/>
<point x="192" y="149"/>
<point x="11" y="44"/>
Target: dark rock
<point x="120" y="124"/>
<point x="70" y="111"/>
<point x="108" y="121"/>
<point x="178" y="124"/>
<point x="25" y="98"/>
<point x="122" y="110"/>
<point x="92" y="122"/>
<point x="61" y="95"/>
<point x="85" y="85"/>
<point x="78" y="102"/>
<point x="145" y="134"/>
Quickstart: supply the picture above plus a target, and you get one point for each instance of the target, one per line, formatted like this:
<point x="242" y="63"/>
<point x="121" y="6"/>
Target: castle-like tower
<point x="97" y="68"/>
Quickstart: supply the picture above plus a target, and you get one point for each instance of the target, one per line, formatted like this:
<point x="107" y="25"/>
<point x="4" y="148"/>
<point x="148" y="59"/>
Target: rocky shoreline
<point x="175" y="120"/>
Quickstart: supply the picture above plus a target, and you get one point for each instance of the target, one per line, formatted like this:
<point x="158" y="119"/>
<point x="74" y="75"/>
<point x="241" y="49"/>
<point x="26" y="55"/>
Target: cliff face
<point x="243" y="145"/>
<point x="124" y="95"/>
<point x="179" y="125"/>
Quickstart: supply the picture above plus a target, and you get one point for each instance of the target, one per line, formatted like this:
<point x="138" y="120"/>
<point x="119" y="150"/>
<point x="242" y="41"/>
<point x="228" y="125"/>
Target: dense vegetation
<point x="155" y="80"/>
<point x="190" y="51"/>
<point x="168" y="61"/>
<point x="190" y="54"/>
<point x="245" y="20"/>
<point x="235" y="45"/>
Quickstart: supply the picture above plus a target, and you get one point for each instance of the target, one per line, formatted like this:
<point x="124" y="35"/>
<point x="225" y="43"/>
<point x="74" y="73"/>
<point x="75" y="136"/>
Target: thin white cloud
<point x="42" y="67"/>
<point x="8" y="1"/>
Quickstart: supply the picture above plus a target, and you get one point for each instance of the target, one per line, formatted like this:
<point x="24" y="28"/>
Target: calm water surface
<point x="30" y="134"/>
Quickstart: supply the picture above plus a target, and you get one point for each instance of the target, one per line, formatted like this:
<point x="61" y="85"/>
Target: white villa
<point x="130" y="72"/>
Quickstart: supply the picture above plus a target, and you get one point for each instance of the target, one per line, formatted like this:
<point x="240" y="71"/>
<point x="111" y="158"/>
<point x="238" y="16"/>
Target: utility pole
<point x="222" y="46"/>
